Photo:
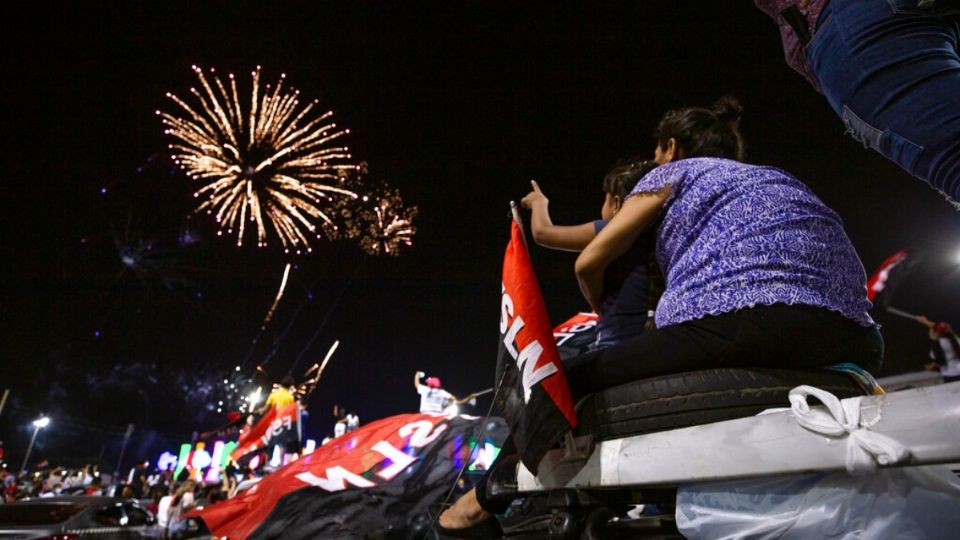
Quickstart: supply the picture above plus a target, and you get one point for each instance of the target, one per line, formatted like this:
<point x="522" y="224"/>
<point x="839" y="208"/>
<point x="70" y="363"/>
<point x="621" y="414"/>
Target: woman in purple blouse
<point x="759" y="273"/>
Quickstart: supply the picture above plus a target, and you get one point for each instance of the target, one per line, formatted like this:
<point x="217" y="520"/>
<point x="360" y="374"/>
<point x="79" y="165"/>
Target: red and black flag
<point x="885" y="280"/>
<point x="533" y="393"/>
<point x="278" y="426"/>
<point x="376" y="482"/>
<point x="575" y="335"/>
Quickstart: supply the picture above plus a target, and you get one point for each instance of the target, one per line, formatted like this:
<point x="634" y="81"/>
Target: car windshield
<point x="37" y="513"/>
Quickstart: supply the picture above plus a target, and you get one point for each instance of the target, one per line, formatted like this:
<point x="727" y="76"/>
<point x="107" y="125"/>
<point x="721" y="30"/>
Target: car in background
<point x="75" y="517"/>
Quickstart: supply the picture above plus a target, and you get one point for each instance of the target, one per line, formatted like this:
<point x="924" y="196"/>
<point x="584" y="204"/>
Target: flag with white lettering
<point x="575" y="335"/>
<point x="375" y="482"/>
<point x="279" y="425"/>
<point x="533" y="396"/>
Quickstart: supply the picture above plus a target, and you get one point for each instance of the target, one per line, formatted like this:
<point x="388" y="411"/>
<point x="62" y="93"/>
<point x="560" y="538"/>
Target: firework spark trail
<point x="269" y="316"/>
<point x="283" y="286"/>
<point x="277" y="169"/>
<point x="307" y="387"/>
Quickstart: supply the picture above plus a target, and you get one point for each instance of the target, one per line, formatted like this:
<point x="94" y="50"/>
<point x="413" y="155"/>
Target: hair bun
<point x="727" y="109"/>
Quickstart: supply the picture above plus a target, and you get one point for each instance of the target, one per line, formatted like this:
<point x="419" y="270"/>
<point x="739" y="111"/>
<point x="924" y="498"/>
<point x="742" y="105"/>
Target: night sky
<point x="458" y="105"/>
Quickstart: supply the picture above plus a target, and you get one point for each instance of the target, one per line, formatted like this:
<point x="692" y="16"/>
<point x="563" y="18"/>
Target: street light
<point x="38" y="424"/>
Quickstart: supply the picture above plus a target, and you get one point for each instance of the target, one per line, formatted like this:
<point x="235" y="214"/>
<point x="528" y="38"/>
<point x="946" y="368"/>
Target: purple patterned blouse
<point x="736" y="236"/>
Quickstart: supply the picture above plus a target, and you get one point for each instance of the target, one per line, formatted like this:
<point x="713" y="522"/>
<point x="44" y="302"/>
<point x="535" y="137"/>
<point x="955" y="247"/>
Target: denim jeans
<point x="891" y="71"/>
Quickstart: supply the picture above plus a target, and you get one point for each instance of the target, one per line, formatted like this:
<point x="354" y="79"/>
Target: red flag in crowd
<point x="279" y="425"/>
<point x="575" y="335"/>
<point x="382" y="477"/>
<point x="533" y="395"/>
<point x="881" y="276"/>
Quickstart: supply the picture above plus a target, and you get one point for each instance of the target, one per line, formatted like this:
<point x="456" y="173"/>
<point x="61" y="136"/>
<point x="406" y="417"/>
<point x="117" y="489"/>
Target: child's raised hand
<point x="535" y="197"/>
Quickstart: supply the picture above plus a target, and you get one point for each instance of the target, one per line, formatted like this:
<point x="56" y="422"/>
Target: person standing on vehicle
<point x="284" y="394"/>
<point x="759" y="273"/>
<point x="890" y="69"/>
<point x="436" y="400"/>
<point x="433" y="398"/>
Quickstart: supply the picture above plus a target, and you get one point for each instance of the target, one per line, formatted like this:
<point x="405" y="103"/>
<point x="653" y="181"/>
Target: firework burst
<point x="378" y="220"/>
<point x="275" y="166"/>
<point x="386" y="224"/>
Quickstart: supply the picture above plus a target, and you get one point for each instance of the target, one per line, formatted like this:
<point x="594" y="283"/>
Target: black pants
<point x="778" y="336"/>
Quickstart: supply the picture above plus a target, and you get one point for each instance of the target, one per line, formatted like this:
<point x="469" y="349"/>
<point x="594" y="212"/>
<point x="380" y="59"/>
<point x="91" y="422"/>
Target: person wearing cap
<point x="433" y="398"/>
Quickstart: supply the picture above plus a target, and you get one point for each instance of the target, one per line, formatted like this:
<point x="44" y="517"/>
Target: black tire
<point x="698" y="397"/>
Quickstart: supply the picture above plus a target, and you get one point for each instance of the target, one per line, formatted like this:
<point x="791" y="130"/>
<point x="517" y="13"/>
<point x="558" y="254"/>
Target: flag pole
<point x="515" y="214"/>
<point x="895" y="311"/>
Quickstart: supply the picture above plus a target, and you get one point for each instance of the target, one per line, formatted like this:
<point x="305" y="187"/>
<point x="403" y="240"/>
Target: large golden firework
<point x="279" y="167"/>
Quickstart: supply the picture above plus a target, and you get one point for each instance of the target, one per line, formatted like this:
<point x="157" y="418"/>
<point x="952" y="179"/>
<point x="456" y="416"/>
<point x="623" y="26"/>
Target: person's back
<point x="279" y="397"/>
<point x="737" y="235"/>
<point x="433" y="400"/>
<point x="282" y="395"/>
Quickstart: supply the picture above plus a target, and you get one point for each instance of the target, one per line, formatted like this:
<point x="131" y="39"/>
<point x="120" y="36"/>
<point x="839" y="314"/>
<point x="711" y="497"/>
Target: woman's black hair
<point x="701" y="132"/>
<point x="624" y="175"/>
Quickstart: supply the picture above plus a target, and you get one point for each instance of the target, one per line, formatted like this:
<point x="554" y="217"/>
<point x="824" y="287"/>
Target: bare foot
<point x="464" y="513"/>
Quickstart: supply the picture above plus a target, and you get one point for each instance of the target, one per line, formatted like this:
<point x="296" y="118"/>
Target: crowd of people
<point x="51" y="483"/>
<point x="166" y="496"/>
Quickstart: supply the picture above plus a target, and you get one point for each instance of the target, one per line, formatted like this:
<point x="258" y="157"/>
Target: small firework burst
<point x="378" y="221"/>
<point x="274" y="165"/>
<point x="387" y="224"/>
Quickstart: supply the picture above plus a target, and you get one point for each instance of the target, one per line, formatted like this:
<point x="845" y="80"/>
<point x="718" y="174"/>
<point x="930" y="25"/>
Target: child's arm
<point x="545" y="233"/>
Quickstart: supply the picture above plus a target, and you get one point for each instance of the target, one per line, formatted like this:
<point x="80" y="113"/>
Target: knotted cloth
<point x="865" y="449"/>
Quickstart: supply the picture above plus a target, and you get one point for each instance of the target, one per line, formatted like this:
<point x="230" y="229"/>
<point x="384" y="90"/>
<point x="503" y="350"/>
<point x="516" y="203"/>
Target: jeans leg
<point x="892" y="72"/>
